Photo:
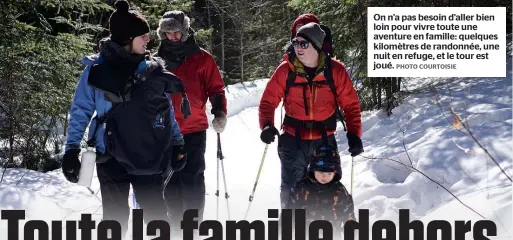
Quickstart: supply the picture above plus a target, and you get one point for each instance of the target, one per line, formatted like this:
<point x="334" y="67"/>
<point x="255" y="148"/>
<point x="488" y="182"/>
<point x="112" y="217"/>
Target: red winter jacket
<point x="202" y="80"/>
<point x="321" y="103"/>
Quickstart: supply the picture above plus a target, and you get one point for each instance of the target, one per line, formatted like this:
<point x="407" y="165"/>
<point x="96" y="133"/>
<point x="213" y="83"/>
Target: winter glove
<point x="71" y="165"/>
<point x="355" y="144"/>
<point x="219" y="121"/>
<point x="177" y="164"/>
<point x="267" y="135"/>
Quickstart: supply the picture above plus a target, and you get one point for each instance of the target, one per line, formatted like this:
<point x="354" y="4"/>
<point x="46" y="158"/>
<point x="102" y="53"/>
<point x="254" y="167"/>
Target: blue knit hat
<point x="326" y="159"/>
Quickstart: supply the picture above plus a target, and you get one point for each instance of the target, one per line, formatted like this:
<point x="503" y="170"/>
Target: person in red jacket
<point x="310" y="106"/>
<point x="202" y="80"/>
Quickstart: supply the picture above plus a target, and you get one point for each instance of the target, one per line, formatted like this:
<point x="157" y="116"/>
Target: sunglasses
<point x="303" y="44"/>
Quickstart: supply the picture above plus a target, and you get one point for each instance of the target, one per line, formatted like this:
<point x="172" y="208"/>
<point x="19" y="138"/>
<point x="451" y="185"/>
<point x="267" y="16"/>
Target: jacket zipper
<point x="311" y="108"/>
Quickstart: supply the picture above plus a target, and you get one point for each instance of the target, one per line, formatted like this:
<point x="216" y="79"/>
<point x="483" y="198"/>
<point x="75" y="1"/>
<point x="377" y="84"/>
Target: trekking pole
<point x="221" y="157"/>
<point x="164" y="186"/>
<point x="217" y="192"/>
<point x="256" y="181"/>
<point x="352" y="174"/>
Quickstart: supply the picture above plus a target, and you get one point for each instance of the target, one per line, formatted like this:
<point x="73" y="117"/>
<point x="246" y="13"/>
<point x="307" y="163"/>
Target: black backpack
<point x="138" y="126"/>
<point x="328" y="38"/>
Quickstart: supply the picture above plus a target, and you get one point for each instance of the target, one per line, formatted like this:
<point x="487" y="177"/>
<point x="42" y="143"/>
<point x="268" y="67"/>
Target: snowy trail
<point x="435" y="147"/>
<point x="425" y="126"/>
<point x="243" y="152"/>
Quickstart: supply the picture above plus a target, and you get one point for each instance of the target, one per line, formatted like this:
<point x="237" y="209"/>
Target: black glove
<point x="217" y="103"/>
<point x="71" y="165"/>
<point x="178" y="165"/>
<point x="355" y="144"/>
<point x="267" y="135"/>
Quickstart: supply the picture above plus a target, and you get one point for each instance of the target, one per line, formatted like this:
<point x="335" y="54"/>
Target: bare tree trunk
<point x="388" y="91"/>
<point x="222" y="42"/>
<point x="261" y="56"/>
<point x="374" y="92"/>
<point x="209" y="25"/>
<point x="10" y="113"/>
<point x="66" y="126"/>
<point x="241" y="56"/>
<point x="390" y="94"/>
<point x="394" y="84"/>
<point x="11" y="138"/>
<point x="379" y="83"/>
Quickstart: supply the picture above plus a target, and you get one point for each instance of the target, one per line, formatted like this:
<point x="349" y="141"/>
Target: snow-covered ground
<point x="423" y="123"/>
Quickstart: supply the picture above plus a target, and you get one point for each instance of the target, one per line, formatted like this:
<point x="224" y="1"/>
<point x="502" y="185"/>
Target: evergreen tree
<point x="41" y="47"/>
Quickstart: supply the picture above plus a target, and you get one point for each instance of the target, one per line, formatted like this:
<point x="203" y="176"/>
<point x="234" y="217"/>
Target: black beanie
<point x="125" y="25"/>
<point x="313" y="33"/>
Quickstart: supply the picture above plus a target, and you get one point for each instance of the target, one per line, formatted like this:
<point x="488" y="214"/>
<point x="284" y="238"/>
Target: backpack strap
<point x="291" y="83"/>
<point x="291" y="77"/>
<point x="100" y="121"/>
<point x="328" y="73"/>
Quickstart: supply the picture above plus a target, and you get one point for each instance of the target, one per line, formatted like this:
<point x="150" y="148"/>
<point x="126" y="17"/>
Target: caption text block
<point x="436" y="42"/>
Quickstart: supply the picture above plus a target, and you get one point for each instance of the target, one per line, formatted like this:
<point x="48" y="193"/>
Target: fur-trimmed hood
<point x="174" y="21"/>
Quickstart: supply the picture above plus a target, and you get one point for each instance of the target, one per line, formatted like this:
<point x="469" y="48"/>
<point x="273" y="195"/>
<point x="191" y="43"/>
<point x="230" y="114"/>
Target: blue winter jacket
<point x="87" y="100"/>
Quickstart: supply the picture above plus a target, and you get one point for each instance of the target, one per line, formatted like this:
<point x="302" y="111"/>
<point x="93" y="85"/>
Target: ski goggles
<point x="303" y="43"/>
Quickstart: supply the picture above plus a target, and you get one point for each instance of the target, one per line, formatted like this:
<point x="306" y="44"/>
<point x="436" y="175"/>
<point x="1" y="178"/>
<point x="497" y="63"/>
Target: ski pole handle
<point x="219" y="150"/>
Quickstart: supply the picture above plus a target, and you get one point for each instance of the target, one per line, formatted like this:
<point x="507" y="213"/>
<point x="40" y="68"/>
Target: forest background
<point x="42" y="43"/>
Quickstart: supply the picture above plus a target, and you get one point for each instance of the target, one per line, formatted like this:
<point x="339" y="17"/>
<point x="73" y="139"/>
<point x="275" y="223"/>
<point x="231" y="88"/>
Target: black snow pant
<point x="115" y="187"/>
<point x="186" y="189"/>
<point x="295" y="155"/>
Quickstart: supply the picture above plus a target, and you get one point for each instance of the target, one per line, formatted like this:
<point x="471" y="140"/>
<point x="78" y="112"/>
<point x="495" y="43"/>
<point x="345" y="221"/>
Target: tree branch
<point x="437" y="183"/>
<point x="406" y="150"/>
<point x="468" y="132"/>
<point x="5" y="169"/>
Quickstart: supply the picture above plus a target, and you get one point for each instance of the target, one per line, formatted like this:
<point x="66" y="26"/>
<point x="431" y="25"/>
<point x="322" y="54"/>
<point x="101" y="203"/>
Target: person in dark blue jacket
<point x="129" y="151"/>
